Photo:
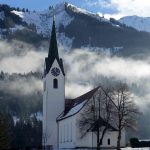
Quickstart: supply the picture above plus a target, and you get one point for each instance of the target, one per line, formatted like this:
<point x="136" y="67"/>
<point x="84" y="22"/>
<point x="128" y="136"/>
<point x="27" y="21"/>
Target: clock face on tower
<point x="55" y="71"/>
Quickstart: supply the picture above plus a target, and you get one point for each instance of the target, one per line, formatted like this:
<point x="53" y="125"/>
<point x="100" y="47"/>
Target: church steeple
<point x="53" y="52"/>
<point x="53" y="49"/>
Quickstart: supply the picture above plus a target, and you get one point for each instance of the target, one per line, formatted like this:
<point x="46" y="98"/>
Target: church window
<point x="64" y="133"/>
<point x="108" y="141"/>
<point x="44" y="85"/>
<point x="68" y="133"/>
<point x="71" y="132"/>
<point x="55" y="83"/>
<point x="60" y="134"/>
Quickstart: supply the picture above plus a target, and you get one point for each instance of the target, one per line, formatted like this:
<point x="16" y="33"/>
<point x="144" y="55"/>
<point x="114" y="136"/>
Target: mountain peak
<point x="139" y="23"/>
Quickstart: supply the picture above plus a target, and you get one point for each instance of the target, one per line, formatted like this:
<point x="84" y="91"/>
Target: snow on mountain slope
<point x="139" y="23"/>
<point x="83" y="11"/>
<point x="2" y="15"/>
<point x="43" y="20"/>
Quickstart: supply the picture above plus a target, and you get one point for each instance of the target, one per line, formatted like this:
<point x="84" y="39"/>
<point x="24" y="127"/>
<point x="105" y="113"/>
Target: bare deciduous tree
<point x="126" y="112"/>
<point x="96" y="115"/>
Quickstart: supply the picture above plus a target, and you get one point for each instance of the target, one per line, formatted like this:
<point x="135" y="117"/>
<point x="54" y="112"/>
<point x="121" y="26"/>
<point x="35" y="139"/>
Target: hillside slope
<point x="76" y="28"/>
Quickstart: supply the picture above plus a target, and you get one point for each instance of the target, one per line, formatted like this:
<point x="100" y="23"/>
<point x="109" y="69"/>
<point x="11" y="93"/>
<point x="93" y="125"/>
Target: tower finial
<point x="53" y="17"/>
<point x="53" y="50"/>
<point x="53" y="14"/>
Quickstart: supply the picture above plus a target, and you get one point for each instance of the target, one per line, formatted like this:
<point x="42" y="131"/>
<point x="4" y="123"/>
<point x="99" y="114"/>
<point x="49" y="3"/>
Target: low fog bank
<point x="84" y="70"/>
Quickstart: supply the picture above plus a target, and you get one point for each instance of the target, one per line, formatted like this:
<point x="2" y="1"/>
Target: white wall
<point x="67" y="133"/>
<point x="70" y="135"/>
<point x="90" y="139"/>
<point x="53" y="105"/>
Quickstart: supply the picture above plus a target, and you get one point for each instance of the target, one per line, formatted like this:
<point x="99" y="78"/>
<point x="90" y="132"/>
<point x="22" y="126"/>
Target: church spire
<point x="53" y="52"/>
<point x="53" y="49"/>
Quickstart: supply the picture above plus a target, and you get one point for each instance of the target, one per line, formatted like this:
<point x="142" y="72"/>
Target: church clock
<point x="55" y="71"/>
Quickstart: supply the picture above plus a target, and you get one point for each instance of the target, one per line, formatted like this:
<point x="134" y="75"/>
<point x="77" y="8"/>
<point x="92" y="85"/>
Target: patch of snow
<point x="38" y="116"/>
<point x="116" y="25"/>
<point x="63" y="18"/>
<point x="103" y="50"/>
<point x="16" y="28"/>
<point x="129" y="148"/>
<point x="43" y="19"/>
<point x="15" y="119"/>
<point x="139" y="23"/>
<point x="75" y="109"/>
<point x="1" y="33"/>
<point x="2" y="15"/>
<point x="83" y="11"/>
<point x="117" y="49"/>
<point x="18" y="13"/>
<point x="65" y="41"/>
<point x="77" y="9"/>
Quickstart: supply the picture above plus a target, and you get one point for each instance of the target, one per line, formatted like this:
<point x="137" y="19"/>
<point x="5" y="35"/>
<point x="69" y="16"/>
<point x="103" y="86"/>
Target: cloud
<point x="84" y="68"/>
<point x="132" y="7"/>
<point x="80" y="89"/>
<point x="100" y="3"/>
<point x="102" y="6"/>
<point x="88" y="64"/>
<point x="121" y="8"/>
<point x="21" y="86"/>
<point x="20" y="57"/>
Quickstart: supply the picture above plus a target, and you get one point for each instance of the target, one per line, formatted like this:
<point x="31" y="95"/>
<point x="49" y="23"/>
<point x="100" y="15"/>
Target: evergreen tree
<point x="27" y="10"/>
<point x="23" y="9"/>
<point x="4" y="138"/>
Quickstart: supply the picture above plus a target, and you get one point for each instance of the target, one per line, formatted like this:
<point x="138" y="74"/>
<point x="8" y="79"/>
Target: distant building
<point x="60" y="116"/>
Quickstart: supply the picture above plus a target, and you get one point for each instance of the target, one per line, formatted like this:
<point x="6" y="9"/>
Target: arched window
<point x="108" y="141"/>
<point x="44" y="85"/>
<point x="55" y="83"/>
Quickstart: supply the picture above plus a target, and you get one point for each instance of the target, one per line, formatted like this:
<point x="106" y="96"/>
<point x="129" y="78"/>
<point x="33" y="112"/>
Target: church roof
<point x="53" y="52"/>
<point x="73" y="106"/>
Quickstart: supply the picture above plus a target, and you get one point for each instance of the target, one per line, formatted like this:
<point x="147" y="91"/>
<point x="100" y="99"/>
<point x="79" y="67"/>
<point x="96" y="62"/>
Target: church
<point x="61" y="116"/>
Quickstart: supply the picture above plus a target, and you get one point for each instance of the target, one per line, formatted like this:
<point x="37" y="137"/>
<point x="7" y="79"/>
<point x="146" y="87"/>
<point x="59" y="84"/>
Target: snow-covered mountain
<point x="76" y="28"/>
<point x="43" y="19"/>
<point x="139" y="23"/>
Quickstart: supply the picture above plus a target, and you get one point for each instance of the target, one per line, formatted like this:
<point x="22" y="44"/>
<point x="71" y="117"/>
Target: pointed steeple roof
<point x="53" y="51"/>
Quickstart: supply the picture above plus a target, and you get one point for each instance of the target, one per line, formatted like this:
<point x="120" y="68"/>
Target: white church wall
<point x="86" y="141"/>
<point x="123" y="138"/>
<point x="110" y="139"/>
<point x="53" y="105"/>
<point x="89" y="140"/>
<point x="67" y="133"/>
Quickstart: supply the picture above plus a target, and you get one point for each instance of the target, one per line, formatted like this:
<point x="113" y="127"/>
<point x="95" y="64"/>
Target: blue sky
<point x="111" y="8"/>
<point x="43" y="4"/>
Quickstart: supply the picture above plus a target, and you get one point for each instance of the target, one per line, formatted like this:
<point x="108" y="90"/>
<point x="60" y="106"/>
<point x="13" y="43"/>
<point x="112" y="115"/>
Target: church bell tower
<point x="53" y="92"/>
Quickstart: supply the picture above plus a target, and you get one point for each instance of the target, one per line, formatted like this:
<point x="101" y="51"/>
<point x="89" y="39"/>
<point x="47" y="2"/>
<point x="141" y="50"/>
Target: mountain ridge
<point x="76" y="28"/>
<point x="139" y="23"/>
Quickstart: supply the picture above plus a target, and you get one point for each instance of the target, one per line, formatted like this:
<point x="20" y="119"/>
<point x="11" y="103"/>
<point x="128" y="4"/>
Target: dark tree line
<point x="27" y="133"/>
<point x="4" y="132"/>
<point x="19" y="134"/>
